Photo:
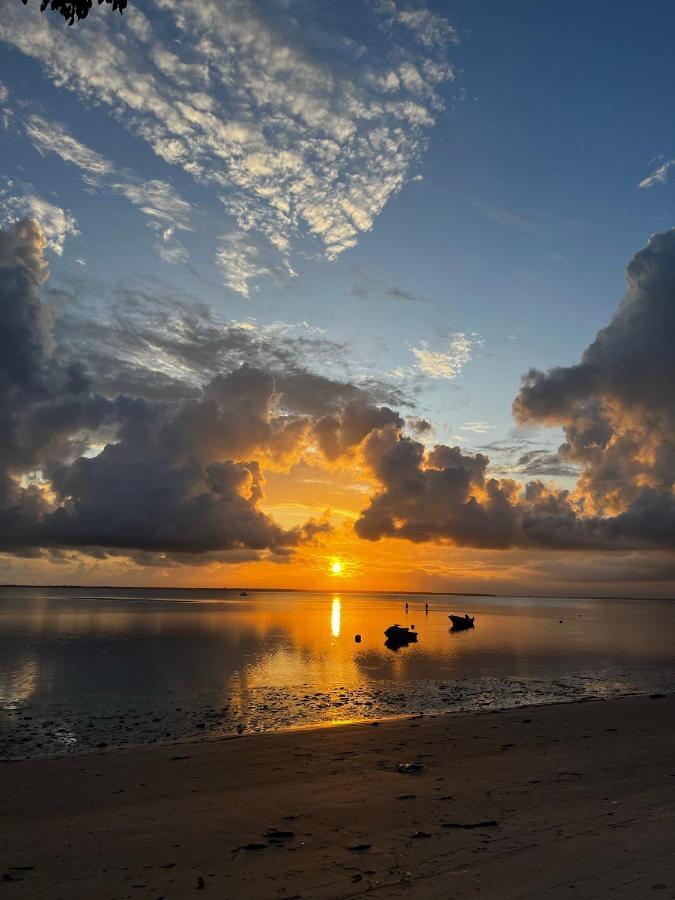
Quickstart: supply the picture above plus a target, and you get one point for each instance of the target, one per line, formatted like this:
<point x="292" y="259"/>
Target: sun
<point x="336" y="567"/>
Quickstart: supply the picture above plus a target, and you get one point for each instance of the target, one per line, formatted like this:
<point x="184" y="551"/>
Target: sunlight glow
<point x="336" y="567"/>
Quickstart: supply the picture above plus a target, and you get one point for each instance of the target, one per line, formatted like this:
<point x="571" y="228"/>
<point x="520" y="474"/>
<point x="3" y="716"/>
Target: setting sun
<point x="336" y="567"/>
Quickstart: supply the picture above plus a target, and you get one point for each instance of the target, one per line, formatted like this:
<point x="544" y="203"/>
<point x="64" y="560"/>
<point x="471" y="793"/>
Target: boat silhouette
<point x="400" y="636"/>
<point x="461" y="623"/>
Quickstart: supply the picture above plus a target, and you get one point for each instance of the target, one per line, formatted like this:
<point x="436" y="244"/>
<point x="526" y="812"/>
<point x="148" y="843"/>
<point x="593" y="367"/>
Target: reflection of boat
<point x="400" y="635"/>
<point x="461" y="623"/>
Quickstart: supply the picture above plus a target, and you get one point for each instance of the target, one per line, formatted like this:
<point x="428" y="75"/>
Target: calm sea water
<point x="80" y="668"/>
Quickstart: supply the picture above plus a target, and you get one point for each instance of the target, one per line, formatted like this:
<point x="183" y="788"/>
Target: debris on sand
<point x="411" y="768"/>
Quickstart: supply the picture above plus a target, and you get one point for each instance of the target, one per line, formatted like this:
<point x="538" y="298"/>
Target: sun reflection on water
<point x="335" y="616"/>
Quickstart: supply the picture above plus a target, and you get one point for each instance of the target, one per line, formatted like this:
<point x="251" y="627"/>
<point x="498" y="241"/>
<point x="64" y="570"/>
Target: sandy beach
<point x="575" y="800"/>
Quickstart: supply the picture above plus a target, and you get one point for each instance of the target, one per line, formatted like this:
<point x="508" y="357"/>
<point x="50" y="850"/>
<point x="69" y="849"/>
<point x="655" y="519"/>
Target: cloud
<point x="153" y="341"/>
<point x="447" y="364"/>
<point x="429" y="28"/>
<point x="369" y="287"/>
<point x="166" y="210"/>
<point x="299" y="128"/>
<point x="541" y="462"/>
<point x="658" y="176"/>
<point x="123" y="472"/>
<point x="175" y="471"/>
<point x="242" y="260"/>
<point x="617" y="412"/>
<point x="616" y="405"/>
<point x="341" y="431"/>
<point x="504" y="216"/>
<point x="57" y="224"/>
<point x="477" y="427"/>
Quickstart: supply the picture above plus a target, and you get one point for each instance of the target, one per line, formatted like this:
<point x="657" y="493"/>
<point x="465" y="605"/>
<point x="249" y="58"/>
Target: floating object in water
<point x="400" y="635"/>
<point x="243" y="593"/>
<point x="461" y="623"/>
<point x="357" y="638"/>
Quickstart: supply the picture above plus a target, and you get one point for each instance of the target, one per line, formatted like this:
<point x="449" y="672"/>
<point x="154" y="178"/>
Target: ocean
<point x="85" y="668"/>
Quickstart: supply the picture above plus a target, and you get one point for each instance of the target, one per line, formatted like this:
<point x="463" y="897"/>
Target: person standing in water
<point x="406" y="606"/>
<point x="426" y="607"/>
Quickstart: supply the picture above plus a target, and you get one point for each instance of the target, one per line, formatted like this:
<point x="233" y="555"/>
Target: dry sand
<point x="550" y="802"/>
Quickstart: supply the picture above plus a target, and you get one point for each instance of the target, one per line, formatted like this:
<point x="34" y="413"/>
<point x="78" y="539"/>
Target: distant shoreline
<point x="289" y="590"/>
<point x="282" y="590"/>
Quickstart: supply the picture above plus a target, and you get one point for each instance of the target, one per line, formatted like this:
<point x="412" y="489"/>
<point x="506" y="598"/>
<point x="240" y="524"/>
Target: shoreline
<point x="566" y="800"/>
<point x="213" y="730"/>
<point x="317" y="726"/>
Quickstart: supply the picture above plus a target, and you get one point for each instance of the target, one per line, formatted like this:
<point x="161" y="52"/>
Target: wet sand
<point x="576" y="800"/>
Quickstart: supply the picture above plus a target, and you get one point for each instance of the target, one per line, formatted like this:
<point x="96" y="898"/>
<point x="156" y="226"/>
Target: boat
<point x="243" y="593"/>
<point x="400" y="635"/>
<point x="461" y="623"/>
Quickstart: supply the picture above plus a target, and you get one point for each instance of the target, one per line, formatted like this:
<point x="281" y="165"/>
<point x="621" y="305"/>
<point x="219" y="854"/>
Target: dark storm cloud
<point x="617" y="410"/>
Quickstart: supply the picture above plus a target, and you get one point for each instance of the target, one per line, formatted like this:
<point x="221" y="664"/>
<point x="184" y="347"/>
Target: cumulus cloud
<point x="298" y="127"/>
<point x="617" y="411"/>
<point x="177" y="474"/>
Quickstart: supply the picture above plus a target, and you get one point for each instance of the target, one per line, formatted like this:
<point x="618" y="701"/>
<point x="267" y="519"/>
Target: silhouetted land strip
<point x="334" y="590"/>
<point x="549" y="802"/>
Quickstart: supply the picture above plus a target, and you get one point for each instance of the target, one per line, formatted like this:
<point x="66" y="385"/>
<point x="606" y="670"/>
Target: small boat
<point x="243" y="593"/>
<point x="461" y="623"/>
<point x="400" y="634"/>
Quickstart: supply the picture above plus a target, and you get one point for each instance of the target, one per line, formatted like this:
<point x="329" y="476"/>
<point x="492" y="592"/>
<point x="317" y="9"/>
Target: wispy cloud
<point x="658" y="176"/>
<point x="166" y="210"/>
<point x="504" y="216"/>
<point x="301" y="130"/>
<point x="367" y="286"/>
<point x="477" y="427"/>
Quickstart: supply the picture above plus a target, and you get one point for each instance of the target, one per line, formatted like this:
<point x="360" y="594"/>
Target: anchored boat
<point x="400" y="635"/>
<point x="461" y="623"/>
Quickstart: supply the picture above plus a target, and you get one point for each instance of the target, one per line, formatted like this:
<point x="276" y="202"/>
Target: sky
<point x="368" y="295"/>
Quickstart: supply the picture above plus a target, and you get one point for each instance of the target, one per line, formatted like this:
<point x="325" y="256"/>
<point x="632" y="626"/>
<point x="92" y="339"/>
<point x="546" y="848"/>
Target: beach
<point x="571" y="800"/>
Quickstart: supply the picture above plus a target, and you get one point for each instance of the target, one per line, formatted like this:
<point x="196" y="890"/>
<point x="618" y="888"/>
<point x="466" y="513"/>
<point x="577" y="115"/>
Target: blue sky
<point x="437" y="197"/>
